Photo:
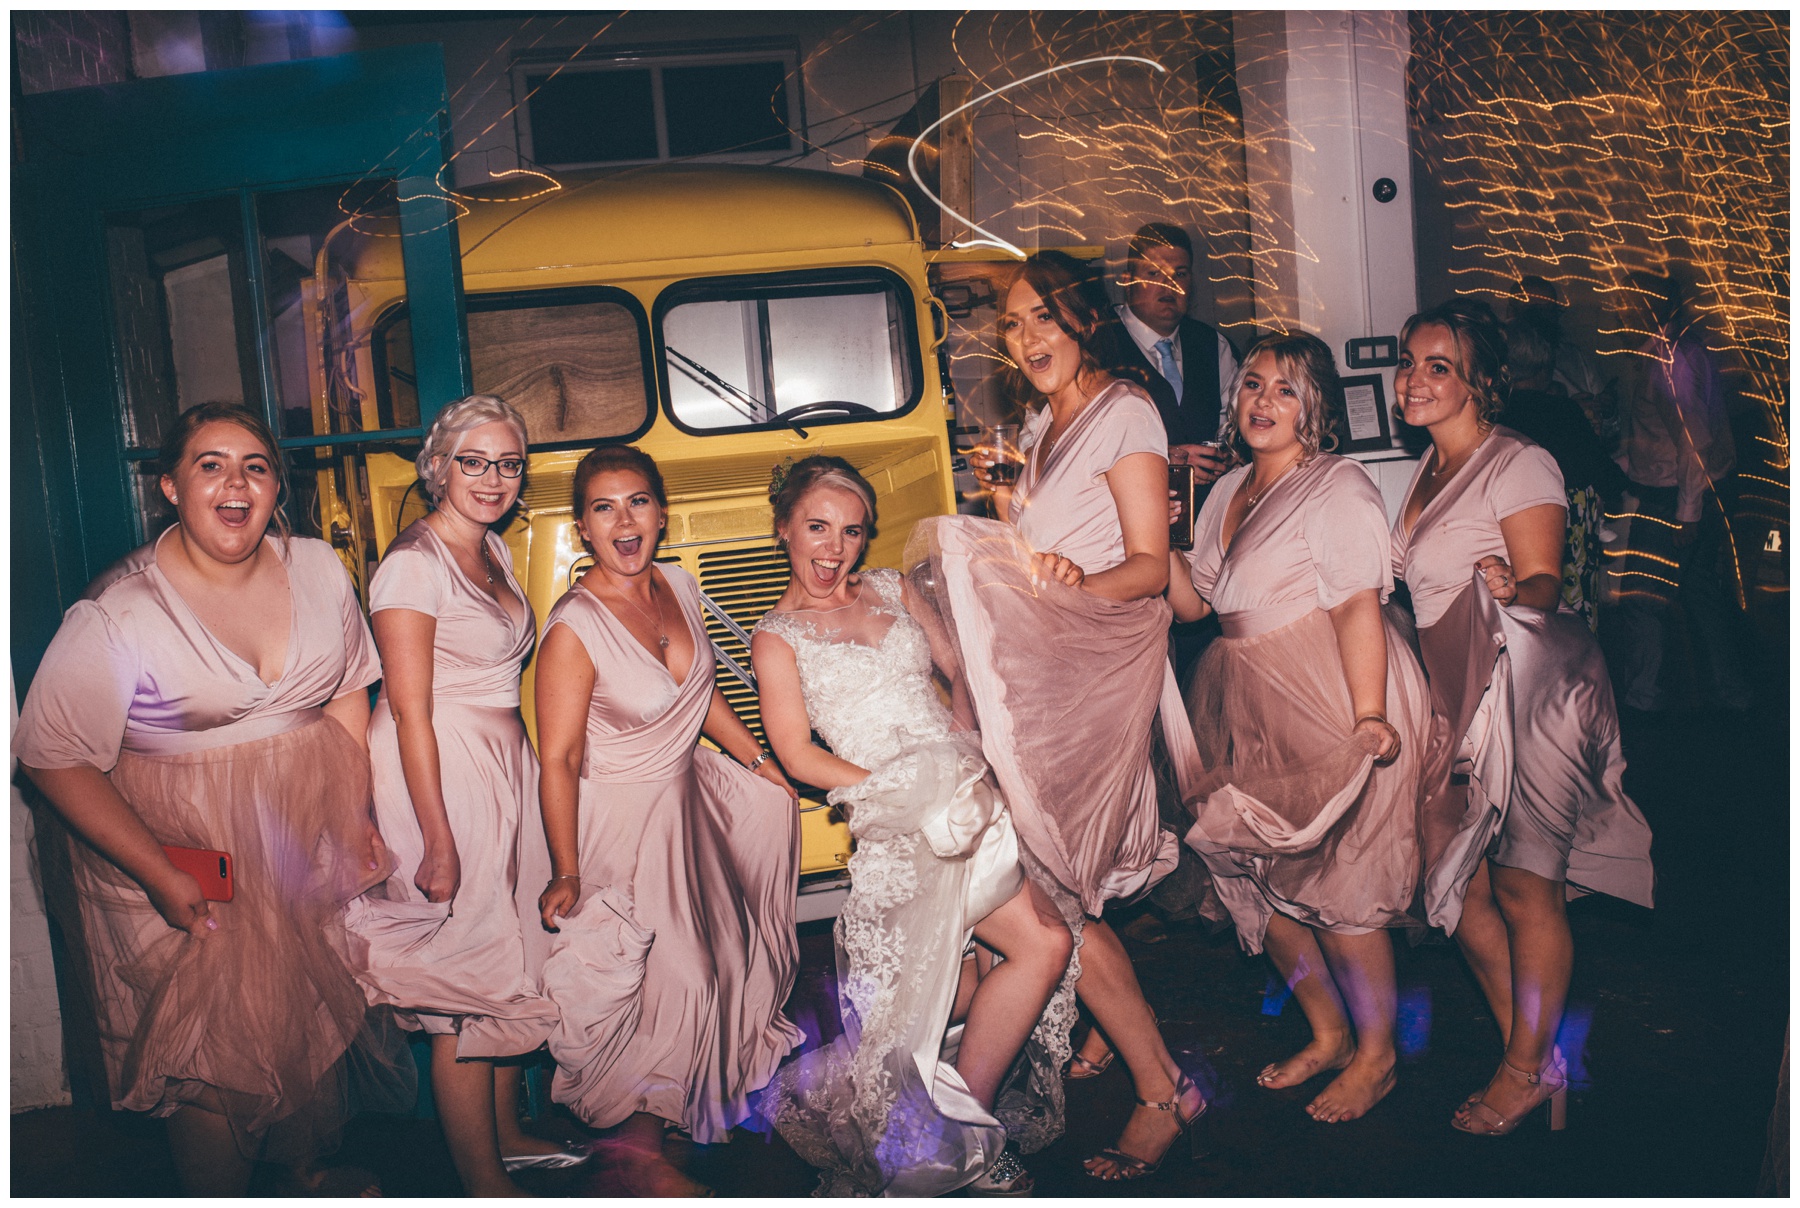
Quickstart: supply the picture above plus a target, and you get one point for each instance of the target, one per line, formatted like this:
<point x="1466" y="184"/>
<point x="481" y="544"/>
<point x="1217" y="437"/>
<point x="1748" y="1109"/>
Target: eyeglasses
<point x="475" y="467"/>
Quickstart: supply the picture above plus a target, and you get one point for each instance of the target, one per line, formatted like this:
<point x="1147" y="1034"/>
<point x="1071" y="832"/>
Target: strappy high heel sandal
<point x="1130" y="1166"/>
<point x="1080" y="1068"/>
<point x="1550" y="1084"/>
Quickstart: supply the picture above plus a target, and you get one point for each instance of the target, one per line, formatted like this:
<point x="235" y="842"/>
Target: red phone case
<point x="211" y="868"/>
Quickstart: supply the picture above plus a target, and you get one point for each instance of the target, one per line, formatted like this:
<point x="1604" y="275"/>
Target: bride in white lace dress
<point x="904" y="1102"/>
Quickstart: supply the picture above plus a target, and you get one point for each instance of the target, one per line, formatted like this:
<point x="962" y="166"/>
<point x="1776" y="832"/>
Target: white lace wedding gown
<point x="881" y="1110"/>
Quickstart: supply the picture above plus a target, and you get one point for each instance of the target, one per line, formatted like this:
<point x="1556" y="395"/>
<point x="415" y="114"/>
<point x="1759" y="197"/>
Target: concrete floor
<point x="1684" y="1010"/>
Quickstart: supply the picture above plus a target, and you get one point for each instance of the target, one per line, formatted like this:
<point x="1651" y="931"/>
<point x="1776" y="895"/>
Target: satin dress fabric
<point x="262" y="1020"/>
<point x="1293" y="815"/>
<point x="469" y="966"/>
<point x="1067" y="685"/>
<point x="1534" y="775"/>
<point x="670" y="973"/>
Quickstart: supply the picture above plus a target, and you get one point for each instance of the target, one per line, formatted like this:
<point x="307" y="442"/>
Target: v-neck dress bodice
<point x="1061" y="503"/>
<point x="133" y="669"/>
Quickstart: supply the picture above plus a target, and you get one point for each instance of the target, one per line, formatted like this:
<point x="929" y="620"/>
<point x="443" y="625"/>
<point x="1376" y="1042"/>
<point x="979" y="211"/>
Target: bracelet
<point x="1380" y="717"/>
<point x="567" y="876"/>
<point x="757" y="762"/>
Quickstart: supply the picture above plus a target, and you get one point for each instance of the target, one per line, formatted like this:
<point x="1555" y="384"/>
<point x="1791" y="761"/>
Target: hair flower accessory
<point x="779" y="475"/>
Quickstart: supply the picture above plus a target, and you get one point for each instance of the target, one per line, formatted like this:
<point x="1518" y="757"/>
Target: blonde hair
<point x="445" y="435"/>
<point x="1307" y="364"/>
<point x="786" y="490"/>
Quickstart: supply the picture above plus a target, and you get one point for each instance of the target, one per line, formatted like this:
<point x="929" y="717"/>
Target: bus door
<point x="174" y="245"/>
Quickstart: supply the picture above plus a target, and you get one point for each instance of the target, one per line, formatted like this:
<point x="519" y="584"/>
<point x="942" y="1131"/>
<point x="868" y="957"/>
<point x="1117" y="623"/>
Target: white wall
<point x="38" y="1076"/>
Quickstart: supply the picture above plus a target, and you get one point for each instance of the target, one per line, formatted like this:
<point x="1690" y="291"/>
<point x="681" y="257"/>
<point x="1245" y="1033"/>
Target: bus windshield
<point x="756" y="352"/>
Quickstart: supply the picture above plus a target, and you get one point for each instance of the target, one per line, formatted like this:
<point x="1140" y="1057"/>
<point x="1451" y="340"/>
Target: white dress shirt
<point x="1146" y="339"/>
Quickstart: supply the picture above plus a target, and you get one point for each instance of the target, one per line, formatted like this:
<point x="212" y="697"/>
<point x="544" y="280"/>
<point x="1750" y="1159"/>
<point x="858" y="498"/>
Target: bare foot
<point x="1364" y="1083"/>
<point x="1148" y="1135"/>
<point x="1329" y="1052"/>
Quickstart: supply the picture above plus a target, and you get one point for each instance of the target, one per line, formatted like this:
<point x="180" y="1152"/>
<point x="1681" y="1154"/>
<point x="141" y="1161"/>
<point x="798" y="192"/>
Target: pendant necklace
<point x="1251" y="500"/>
<point x="662" y="638"/>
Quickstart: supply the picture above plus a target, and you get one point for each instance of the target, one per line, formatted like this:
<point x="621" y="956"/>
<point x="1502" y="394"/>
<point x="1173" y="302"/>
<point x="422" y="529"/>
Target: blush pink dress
<point x="466" y="966"/>
<point x="260" y="1018"/>
<point x="1293" y="815"/>
<point x="671" y="971"/>
<point x="1067" y="685"/>
<point x="1535" y="735"/>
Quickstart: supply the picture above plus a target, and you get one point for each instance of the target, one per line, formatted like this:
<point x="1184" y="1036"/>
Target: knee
<point x="1525" y="896"/>
<point x="1051" y="947"/>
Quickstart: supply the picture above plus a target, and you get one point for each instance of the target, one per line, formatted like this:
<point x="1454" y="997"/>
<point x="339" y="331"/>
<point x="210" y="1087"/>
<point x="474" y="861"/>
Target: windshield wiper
<point x="743" y="403"/>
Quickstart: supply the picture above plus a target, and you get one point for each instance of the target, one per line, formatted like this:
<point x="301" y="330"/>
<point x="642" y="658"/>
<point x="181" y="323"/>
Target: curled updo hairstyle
<point x="786" y="490"/>
<point x="605" y="458"/>
<point x="446" y="433"/>
<point x="181" y="436"/>
<point x="1307" y="364"/>
<point x="1480" y="350"/>
<point x="1077" y="303"/>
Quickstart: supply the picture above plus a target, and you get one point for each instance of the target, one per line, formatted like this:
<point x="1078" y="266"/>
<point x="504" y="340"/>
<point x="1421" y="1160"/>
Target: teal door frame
<point x="86" y="152"/>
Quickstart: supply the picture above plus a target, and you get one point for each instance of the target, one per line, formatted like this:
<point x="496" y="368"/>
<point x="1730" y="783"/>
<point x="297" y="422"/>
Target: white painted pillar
<point x="1324" y="102"/>
<point x="38" y="1076"/>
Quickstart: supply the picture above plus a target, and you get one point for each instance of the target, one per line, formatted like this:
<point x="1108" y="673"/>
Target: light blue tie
<point x="1165" y="352"/>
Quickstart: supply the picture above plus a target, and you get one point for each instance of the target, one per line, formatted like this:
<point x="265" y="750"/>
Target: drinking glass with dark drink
<point x="998" y="457"/>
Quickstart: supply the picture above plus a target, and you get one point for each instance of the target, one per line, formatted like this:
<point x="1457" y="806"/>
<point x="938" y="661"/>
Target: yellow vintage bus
<point x="721" y="319"/>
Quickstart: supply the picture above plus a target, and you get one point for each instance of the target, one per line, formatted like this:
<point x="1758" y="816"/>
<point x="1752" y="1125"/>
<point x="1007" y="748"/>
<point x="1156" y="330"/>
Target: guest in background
<point x="1682" y="462"/>
<point x="453" y="943"/>
<point x="1185" y="366"/>
<point x="1590" y="479"/>
<point x="1575" y="370"/>
<point x="209" y="692"/>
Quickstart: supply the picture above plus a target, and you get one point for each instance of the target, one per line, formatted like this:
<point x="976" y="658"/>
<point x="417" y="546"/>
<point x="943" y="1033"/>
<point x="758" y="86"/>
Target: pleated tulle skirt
<point x="1293" y="815"/>
<point x="261" y="1020"/>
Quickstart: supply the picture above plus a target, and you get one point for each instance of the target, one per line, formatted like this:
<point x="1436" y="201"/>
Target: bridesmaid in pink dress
<point x="1063" y="633"/>
<point x="1536" y="813"/>
<point x="451" y="941"/>
<point x="1312" y="718"/>
<point x="210" y="691"/>
<point x="674" y="867"/>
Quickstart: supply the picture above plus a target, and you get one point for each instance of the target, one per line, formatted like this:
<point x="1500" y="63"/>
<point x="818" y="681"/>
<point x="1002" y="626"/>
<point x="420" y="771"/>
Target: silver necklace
<point x="1252" y="499"/>
<point x="853" y="599"/>
<point x="662" y="638"/>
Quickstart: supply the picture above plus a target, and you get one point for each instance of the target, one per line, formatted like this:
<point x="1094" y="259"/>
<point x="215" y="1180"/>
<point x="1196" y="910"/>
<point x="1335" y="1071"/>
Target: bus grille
<point x="746" y="583"/>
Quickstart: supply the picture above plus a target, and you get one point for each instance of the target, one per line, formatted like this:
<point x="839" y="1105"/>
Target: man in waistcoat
<point x="1184" y="364"/>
